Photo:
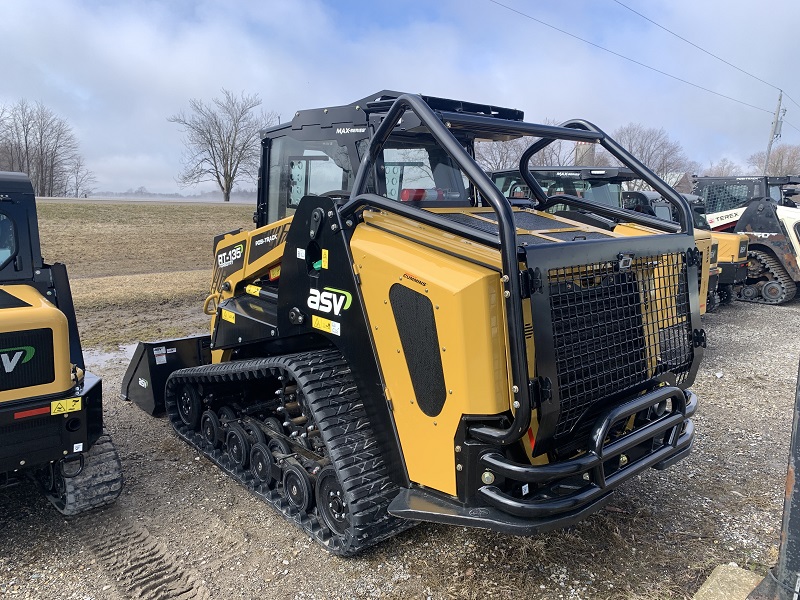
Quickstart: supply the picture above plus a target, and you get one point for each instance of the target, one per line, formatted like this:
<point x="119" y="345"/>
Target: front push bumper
<point x="564" y="492"/>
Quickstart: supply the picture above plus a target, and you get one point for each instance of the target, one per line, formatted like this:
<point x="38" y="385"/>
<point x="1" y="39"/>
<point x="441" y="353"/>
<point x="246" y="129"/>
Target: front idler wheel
<point x="189" y="407"/>
<point x="238" y="445"/>
<point x="331" y="503"/>
<point x="297" y="487"/>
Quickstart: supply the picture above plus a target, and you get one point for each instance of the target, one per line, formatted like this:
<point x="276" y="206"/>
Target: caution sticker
<point x="324" y="259"/>
<point x="228" y="316"/>
<point x="326" y="325"/>
<point x="253" y="290"/>
<point x="69" y="405"/>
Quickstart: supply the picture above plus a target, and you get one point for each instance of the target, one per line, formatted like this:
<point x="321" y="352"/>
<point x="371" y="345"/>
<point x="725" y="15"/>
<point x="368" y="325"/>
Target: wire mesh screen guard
<point x="615" y="328"/>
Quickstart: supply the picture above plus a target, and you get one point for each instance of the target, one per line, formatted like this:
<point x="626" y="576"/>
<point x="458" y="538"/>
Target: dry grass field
<point x="144" y="266"/>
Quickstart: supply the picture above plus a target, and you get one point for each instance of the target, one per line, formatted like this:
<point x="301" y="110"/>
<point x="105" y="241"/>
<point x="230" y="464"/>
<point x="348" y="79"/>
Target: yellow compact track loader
<point x="396" y="341"/>
<point x="51" y="411"/>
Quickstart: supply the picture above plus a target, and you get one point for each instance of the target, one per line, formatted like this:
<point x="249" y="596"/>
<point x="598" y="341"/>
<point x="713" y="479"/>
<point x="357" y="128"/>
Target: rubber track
<point x="332" y="396"/>
<point x="98" y="484"/>
<point x="775" y="268"/>
<point x="136" y="562"/>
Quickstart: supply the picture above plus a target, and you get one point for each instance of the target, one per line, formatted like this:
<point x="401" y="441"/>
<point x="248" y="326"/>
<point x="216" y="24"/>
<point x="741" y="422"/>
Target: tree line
<point x="36" y="141"/>
<point x="653" y="146"/>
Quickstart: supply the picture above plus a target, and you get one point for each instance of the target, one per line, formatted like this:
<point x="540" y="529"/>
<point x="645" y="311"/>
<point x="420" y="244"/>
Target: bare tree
<point x="500" y="156"/>
<point x="722" y="168"/>
<point x="655" y="149"/>
<point x="81" y="180"/>
<point x="783" y="160"/>
<point x="36" y="141"/>
<point x="222" y="140"/>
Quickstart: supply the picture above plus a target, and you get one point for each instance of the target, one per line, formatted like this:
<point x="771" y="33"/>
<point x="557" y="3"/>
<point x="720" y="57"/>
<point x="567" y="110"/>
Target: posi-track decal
<point x="266" y="241"/>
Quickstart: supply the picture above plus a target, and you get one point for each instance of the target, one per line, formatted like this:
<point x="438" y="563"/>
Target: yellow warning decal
<point x="253" y="290"/>
<point x="324" y="259"/>
<point x="65" y="406"/>
<point x="274" y="273"/>
<point x="326" y="325"/>
<point x="228" y="316"/>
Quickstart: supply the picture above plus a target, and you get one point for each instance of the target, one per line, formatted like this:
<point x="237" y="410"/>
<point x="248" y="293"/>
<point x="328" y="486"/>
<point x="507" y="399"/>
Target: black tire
<point x="227" y="414"/>
<point x="238" y="445"/>
<point x="725" y="294"/>
<point x="189" y="407"/>
<point x="297" y="488"/>
<point x="279" y="446"/>
<point x="210" y="428"/>
<point x="254" y="431"/>
<point x="331" y="502"/>
<point x="261" y="463"/>
<point x="274" y="424"/>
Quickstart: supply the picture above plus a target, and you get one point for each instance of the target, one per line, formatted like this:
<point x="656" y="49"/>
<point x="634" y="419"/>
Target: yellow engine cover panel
<point x="469" y="336"/>
<point x="30" y="363"/>
<point x="702" y="240"/>
<point x="732" y="246"/>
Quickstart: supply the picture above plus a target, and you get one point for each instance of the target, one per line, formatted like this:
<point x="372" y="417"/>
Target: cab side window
<point x="8" y="240"/>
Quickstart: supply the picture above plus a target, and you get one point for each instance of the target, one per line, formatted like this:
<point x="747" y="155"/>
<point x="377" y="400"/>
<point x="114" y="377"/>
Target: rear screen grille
<point x="30" y="435"/>
<point x="616" y="328"/>
<point x="26" y="359"/>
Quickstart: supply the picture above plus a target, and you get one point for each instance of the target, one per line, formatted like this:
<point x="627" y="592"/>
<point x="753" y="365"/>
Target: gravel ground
<point x="184" y="526"/>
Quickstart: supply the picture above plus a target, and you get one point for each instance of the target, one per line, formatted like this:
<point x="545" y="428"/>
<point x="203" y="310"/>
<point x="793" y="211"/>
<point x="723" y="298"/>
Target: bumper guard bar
<point x="677" y="441"/>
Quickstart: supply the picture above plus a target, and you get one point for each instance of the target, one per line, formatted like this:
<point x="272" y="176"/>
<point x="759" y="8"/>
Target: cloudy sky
<point x="116" y="70"/>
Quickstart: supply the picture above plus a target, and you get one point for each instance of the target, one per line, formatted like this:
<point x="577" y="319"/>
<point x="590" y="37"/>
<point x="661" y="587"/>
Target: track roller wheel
<point x="274" y="424"/>
<point x="238" y="445"/>
<point x="331" y="502"/>
<point x="261" y="463"/>
<point x="749" y="293"/>
<point x="227" y="414"/>
<point x="725" y="294"/>
<point x="189" y="407"/>
<point x="772" y="291"/>
<point x="254" y="431"/>
<point x="279" y="446"/>
<point x="297" y="488"/>
<point x="210" y="428"/>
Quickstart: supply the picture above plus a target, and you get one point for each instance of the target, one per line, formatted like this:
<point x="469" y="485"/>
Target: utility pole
<point x="777" y="123"/>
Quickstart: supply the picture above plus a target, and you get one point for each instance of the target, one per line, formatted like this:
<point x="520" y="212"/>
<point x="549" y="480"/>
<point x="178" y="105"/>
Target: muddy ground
<point x="182" y="529"/>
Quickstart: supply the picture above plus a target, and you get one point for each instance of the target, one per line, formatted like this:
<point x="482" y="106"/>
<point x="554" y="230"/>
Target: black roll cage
<point x="440" y="124"/>
<point x="626" y="158"/>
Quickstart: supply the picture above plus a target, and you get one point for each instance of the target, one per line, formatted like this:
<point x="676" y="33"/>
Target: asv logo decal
<point x="329" y="300"/>
<point x="226" y="259"/>
<point x="11" y="357"/>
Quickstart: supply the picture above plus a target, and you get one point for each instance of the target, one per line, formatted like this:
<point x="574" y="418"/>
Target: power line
<point x="790" y="125"/>
<point x="719" y="58"/>
<point x="641" y="64"/>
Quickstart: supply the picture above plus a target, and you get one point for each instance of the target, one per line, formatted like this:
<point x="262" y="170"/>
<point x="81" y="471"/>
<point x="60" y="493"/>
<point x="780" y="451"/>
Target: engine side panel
<point x="464" y="340"/>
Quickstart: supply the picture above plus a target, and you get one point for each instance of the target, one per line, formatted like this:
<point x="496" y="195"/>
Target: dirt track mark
<point x="136" y="561"/>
